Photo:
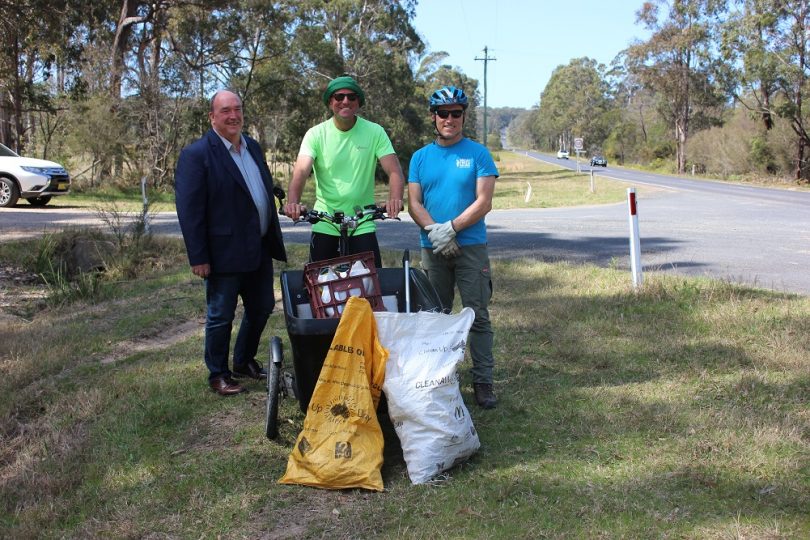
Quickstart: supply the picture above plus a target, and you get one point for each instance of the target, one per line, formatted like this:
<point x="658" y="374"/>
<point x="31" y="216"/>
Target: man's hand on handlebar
<point x="393" y="207"/>
<point x="294" y="210"/>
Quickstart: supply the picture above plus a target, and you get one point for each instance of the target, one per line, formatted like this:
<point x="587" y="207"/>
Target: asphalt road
<point x="742" y="234"/>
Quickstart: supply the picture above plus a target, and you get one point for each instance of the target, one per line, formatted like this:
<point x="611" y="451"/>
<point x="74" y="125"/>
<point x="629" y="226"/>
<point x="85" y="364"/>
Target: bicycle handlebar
<point x="341" y="219"/>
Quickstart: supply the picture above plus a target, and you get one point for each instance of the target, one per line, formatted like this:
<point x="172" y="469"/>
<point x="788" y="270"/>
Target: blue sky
<point x="528" y="38"/>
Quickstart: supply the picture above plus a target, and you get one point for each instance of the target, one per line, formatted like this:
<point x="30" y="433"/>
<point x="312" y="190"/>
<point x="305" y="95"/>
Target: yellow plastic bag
<point x="341" y="444"/>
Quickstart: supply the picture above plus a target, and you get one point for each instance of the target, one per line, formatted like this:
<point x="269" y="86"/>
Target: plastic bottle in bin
<point x="326" y="297"/>
<point x="359" y="269"/>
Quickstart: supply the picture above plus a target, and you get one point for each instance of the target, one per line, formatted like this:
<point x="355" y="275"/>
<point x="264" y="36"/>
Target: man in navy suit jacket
<point x="224" y="197"/>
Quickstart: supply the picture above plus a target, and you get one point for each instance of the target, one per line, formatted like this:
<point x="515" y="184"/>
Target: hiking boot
<point x="485" y="395"/>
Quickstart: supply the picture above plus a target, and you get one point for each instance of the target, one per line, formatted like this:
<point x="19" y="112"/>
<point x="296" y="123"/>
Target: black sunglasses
<point x="445" y="114"/>
<point x="341" y="97"/>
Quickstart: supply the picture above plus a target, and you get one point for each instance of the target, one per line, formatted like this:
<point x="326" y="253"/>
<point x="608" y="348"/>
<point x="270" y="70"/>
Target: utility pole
<point x="485" y="59"/>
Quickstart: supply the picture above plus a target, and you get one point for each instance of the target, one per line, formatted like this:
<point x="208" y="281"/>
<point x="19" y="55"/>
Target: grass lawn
<point x="528" y="183"/>
<point x="677" y="411"/>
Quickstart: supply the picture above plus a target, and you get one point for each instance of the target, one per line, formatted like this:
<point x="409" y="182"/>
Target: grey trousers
<point x="470" y="272"/>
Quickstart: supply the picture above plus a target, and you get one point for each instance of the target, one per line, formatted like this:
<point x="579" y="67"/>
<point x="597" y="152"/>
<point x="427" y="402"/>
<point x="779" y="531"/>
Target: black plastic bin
<point x="310" y="338"/>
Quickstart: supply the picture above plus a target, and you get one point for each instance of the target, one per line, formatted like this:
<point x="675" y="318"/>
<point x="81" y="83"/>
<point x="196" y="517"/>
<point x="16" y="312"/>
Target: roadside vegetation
<point x="550" y="187"/>
<point x="678" y="410"/>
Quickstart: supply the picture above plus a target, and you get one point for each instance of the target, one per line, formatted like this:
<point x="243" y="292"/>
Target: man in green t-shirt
<point x="343" y="153"/>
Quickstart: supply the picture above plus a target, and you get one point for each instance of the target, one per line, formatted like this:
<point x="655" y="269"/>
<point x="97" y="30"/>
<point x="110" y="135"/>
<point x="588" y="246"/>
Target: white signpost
<point x="578" y="145"/>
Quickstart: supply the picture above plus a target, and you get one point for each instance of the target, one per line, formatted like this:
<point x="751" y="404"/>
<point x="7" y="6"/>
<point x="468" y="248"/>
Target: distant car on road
<point x="562" y="154"/>
<point x="600" y="161"/>
<point x="35" y="180"/>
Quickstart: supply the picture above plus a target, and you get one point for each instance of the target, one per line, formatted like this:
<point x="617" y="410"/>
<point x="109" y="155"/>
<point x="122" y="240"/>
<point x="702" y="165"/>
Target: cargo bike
<point x="313" y="300"/>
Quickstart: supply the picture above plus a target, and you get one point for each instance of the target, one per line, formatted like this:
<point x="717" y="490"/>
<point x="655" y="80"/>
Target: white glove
<point x="450" y="251"/>
<point x="440" y="234"/>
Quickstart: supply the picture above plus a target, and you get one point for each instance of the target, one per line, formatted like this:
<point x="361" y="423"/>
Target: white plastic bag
<point x="422" y="391"/>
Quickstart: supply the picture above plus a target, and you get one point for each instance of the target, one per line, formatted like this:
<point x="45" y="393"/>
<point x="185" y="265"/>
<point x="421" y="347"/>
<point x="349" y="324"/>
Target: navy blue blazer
<point x="219" y="221"/>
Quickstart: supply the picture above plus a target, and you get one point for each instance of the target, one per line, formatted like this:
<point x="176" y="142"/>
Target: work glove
<point x="440" y="234"/>
<point x="450" y="251"/>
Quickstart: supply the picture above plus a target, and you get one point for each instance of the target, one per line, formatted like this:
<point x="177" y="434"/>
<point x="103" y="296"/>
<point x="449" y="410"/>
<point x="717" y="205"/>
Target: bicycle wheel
<point x="273" y="381"/>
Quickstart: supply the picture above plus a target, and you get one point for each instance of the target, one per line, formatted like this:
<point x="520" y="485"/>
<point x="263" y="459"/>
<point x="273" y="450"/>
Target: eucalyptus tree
<point x="520" y="132"/>
<point x="40" y="43"/>
<point x="429" y="64"/>
<point x="752" y="68"/>
<point x="678" y="66"/>
<point x="169" y="50"/>
<point x="135" y="87"/>
<point x="769" y="41"/>
<point x="637" y="132"/>
<point x="375" y="42"/>
<point x="573" y="104"/>
<point x="201" y="38"/>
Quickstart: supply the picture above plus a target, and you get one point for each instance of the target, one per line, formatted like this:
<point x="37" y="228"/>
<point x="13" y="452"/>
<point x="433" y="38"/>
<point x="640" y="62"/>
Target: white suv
<point x="562" y="154"/>
<point x="35" y="180"/>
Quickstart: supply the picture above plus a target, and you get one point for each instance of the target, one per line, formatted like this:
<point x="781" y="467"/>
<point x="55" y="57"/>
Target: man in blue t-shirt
<point x="450" y="187"/>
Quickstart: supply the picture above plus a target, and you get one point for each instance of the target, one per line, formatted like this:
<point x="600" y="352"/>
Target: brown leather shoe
<point x="252" y="369"/>
<point x="225" y="386"/>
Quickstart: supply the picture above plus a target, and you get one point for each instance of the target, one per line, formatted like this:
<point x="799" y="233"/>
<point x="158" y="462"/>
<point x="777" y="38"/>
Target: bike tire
<point x="273" y="382"/>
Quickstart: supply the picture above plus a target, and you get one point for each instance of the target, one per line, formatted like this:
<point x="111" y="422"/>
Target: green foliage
<point x="742" y="147"/>
<point x="494" y="142"/>
<point x="115" y="98"/>
<point x="65" y="283"/>
<point x="764" y="43"/>
<point x="761" y="155"/>
<point x="98" y="136"/>
<point x="573" y="104"/>
<point x="373" y="42"/>
<point x="86" y="287"/>
<point x="677" y="64"/>
<point x="519" y="132"/>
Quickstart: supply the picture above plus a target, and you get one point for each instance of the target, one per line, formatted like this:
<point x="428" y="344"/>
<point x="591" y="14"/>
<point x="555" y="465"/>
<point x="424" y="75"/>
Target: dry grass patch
<point x="548" y="186"/>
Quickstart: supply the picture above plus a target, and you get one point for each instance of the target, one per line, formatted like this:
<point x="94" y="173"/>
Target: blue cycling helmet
<point x="448" y="95"/>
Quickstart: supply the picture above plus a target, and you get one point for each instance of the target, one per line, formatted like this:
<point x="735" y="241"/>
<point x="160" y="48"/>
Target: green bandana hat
<point x="342" y="83"/>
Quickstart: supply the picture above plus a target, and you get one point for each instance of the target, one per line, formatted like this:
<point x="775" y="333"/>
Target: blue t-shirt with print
<point x="448" y="177"/>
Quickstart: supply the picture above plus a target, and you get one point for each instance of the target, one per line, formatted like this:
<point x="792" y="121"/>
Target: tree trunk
<point x="802" y="167"/>
<point x="800" y="172"/>
<point x="17" y="137"/>
<point x="123" y="30"/>
<point x="5" y="123"/>
<point x="680" y="143"/>
<point x="767" y="116"/>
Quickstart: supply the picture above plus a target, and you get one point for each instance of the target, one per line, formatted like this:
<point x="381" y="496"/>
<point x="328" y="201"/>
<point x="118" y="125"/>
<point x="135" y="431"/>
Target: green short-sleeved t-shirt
<point x="344" y="165"/>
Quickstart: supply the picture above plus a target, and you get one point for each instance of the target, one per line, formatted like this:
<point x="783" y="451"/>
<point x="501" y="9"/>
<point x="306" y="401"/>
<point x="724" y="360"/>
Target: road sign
<point x="578" y="143"/>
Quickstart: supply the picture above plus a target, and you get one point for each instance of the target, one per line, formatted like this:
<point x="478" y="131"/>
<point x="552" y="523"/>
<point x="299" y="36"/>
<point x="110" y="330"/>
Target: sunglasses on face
<point x="341" y="97"/>
<point x="445" y="114"/>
